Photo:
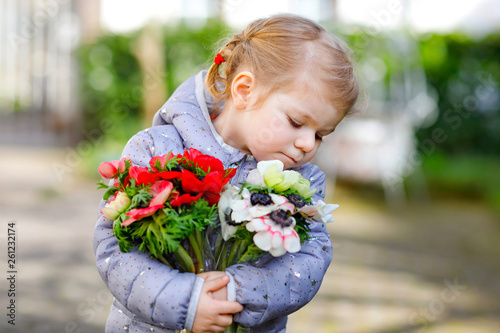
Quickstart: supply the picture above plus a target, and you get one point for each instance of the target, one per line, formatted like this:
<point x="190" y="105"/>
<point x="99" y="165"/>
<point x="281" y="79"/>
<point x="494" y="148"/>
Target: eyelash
<point x="294" y="123"/>
<point x="299" y="125"/>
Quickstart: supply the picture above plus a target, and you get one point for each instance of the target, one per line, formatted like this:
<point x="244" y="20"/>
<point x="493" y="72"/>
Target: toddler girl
<point x="273" y="92"/>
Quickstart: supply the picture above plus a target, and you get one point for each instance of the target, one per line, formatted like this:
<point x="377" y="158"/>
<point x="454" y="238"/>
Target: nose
<point x="306" y="141"/>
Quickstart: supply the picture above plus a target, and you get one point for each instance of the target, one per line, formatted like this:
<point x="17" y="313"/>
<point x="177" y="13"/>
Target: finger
<point x="204" y="276"/>
<point x="224" y="320"/>
<point x="229" y="307"/>
<point x="216" y="284"/>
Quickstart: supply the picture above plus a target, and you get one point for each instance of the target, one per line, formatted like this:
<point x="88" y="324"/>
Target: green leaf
<point x="110" y="192"/>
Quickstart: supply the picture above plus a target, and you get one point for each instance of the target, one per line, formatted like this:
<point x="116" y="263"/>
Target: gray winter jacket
<point x="151" y="297"/>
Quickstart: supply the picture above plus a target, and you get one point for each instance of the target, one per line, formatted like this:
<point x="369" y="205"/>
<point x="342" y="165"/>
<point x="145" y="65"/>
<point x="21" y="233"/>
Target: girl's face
<point x="288" y="127"/>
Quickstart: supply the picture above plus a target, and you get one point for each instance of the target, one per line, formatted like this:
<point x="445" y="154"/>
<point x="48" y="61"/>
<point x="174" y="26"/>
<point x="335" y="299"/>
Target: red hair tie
<point x="219" y="59"/>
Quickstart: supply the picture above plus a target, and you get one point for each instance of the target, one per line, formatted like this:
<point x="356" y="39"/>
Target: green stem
<point x="164" y="261"/>
<point x="231" y="328"/>
<point x="242" y="249"/>
<point x="201" y="246"/>
<point x="234" y="251"/>
<point x="184" y="260"/>
<point x="193" y="239"/>
<point x="218" y="248"/>
<point x="221" y="259"/>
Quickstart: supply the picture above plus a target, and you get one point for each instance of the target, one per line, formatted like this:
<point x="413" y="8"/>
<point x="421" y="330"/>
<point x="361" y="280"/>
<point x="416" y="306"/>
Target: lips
<point x="291" y="159"/>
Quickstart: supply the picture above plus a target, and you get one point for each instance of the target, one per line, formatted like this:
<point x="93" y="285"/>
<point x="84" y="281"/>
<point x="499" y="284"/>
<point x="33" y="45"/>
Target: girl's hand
<point x="220" y="294"/>
<point x="214" y="315"/>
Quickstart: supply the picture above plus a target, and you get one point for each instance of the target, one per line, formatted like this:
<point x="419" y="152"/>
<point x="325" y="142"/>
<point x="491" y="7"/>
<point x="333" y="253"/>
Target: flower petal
<point x="185" y="199"/>
<point x="191" y="183"/>
<point x="273" y="174"/>
<point x="278" y="251"/>
<point x="228" y="231"/>
<point x="292" y="242"/>
<point x="108" y="170"/>
<point x="139" y="213"/>
<point x="255" y="178"/>
<point x="117" y="205"/>
<point x="277" y="240"/>
<point x="263" y="240"/>
<point x="257" y="224"/>
<point x="161" y="191"/>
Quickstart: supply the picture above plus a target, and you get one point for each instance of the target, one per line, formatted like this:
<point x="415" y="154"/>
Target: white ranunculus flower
<point x="230" y="202"/>
<point x="275" y="234"/>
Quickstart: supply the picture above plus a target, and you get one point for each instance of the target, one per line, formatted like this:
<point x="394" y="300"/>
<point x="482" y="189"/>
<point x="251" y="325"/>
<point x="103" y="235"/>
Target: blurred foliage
<point x="112" y="87"/>
<point x="465" y="73"/>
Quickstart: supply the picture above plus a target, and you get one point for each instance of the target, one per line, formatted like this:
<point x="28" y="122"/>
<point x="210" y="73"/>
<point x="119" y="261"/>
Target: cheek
<point x="276" y="123"/>
<point x="271" y="134"/>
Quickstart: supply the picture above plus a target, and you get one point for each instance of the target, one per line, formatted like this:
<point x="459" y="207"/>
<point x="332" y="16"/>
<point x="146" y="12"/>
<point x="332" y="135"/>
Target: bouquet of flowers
<point x="167" y="209"/>
<point x="269" y="213"/>
<point x="181" y="212"/>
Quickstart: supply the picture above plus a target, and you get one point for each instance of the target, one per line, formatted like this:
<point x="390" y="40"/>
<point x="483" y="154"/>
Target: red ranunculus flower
<point x="141" y="175"/>
<point x="205" y="162"/>
<point x="169" y="175"/>
<point x="210" y="186"/>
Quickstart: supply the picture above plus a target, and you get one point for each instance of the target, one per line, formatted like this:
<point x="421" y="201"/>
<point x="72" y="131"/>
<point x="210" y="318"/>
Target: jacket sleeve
<point x="275" y="287"/>
<point x="149" y="289"/>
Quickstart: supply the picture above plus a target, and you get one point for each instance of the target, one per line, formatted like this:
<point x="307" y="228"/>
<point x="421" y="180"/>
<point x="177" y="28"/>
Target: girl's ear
<point x="241" y="88"/>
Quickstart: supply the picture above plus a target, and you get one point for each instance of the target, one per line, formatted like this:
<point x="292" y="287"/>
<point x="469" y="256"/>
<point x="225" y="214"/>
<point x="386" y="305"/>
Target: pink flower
<point x="160" y="191"/>
<point x="140" y="213"/>
<point x="110" y="170"/>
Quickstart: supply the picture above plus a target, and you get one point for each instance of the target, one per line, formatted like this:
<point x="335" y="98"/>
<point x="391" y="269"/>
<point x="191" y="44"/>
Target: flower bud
<point x="302" y="187"/>
<point x="108" y="170"/>
<point x="118" y="205"/>
<point x="290" y="178"/>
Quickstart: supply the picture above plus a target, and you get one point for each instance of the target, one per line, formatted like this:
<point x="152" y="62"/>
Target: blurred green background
<point x="415" y="169"/>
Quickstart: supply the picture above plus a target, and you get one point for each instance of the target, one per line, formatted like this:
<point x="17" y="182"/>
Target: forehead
<point x="309" y="106"/>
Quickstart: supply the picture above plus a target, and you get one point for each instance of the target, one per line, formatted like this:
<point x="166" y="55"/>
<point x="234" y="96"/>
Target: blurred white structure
<point x="38" y="90"/>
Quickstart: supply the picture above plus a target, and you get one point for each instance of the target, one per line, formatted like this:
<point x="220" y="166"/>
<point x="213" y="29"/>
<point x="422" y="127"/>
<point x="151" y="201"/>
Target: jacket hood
<point x="189" y="110"/>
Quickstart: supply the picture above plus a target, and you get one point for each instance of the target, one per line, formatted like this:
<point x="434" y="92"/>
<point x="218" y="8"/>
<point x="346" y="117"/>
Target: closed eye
<point x="294" y="123"/>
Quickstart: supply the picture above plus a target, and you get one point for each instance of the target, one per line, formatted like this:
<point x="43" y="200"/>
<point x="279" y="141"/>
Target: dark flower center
<point x="227" y="214"/>
<point x="281" y="217"/>
<point x="296" y="200"/>
<point x="260" y="199"/>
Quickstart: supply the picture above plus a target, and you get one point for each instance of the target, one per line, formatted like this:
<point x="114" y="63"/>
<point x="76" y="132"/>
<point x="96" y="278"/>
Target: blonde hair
<point x="282" y="48"/>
